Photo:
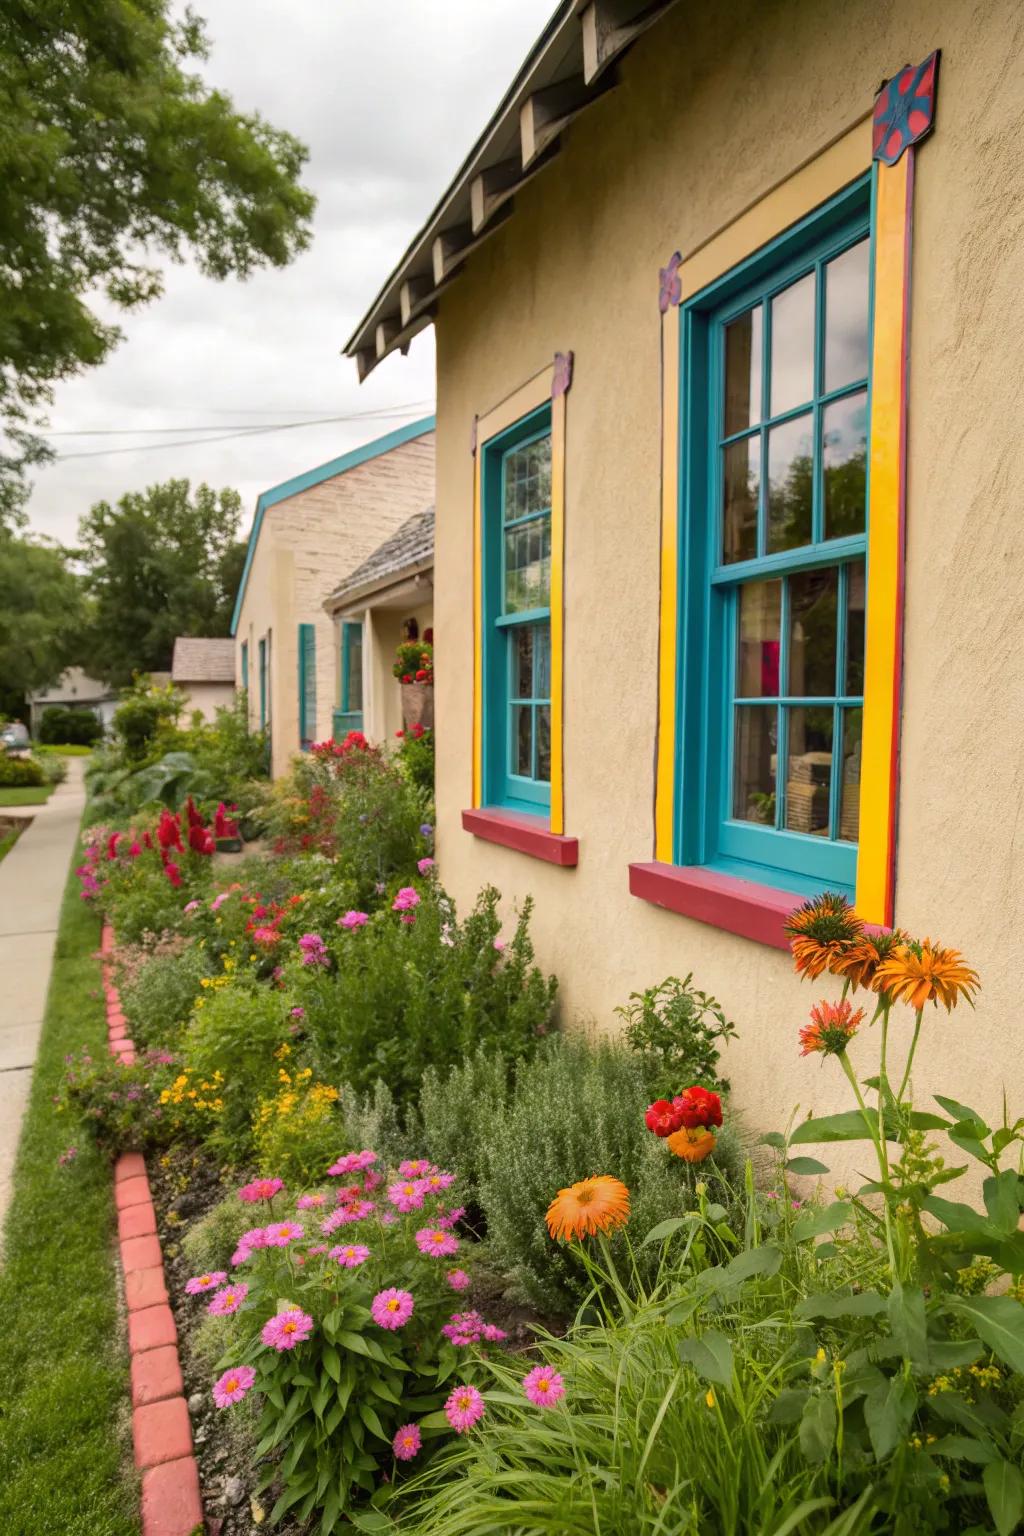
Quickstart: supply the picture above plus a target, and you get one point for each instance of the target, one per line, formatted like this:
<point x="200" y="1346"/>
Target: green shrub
<point x="141" y="901"/>
<point x="226" y="749"/>
<point x="61" y="749"/>
<point x="20" y="772"/>
<point x="235" y="1030"/>
<point x="55" y="769"/>
<point x="298" y="1130"/>
<point x="677" y="1029"/>
<point x="209" y="1242"/>
<point x="578" y="1110"/>
<point x="77" y="727"/>
<point x="416" y="757"/>
<point x="458" y="1114"/>
<point x="157" y="995"/>
<point x="145" y="709"/>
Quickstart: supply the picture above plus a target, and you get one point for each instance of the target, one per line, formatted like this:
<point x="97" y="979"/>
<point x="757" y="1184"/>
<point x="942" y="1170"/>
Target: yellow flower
<point x="821" y="1357"/>
<point x="710" y="1398"/>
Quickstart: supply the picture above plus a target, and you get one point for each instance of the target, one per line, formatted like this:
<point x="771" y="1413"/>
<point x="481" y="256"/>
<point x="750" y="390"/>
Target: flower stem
<point x="910" y="1057"/>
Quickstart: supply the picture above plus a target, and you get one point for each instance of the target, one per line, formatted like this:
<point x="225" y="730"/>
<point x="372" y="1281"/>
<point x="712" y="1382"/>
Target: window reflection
<point x="790" y="484"/>
<point x="743" y="372"/>
<point x="760" y="619"/>
<point x="844" y="437"/>
<point x="741" y="464"/>
<point x="792" y="362"/>
<point x="808" y="770"/>
<point x="813" y="604"/>
<point x="754" y="777"/>
<point x="846" y="317"/>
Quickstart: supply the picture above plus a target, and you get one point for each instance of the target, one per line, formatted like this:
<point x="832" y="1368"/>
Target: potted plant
<point x="414" y="668"/>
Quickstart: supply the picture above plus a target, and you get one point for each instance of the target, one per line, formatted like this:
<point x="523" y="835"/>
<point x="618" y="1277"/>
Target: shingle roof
<point x="203" y="661"/>
<point x="409" y="549"/>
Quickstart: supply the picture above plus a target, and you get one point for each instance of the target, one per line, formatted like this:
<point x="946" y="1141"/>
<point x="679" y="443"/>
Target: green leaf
<point x="820" y="1219"/>
<point x="847" y="1126"/>
<point x="863" y="1304"/>
<point x="1004" y="1490"/>
<point x="962" y="1448"/>
<point x="888" y="1411"/>
<point x="332" y="1363"/>
<point x="970" y="1144"/>
<point x="766" y="1260"/>
<point x="908" y="1323"/>
<point x="806" y="1165"/>
<point x="354" y="1342"/>
<point x="666" y="1229"/>
<point x="818" y="1427"/>
<point x="372" y="1422"/>
<point x="438" y="1420"/>
<point x="773" y="1139"/>
<point x="961" y="1112"/>
<point x="1001" y="1194"/>
<point x="371" y="1520"/>
<point x="920" y="1120"/>
<point x="710" y="1355"/>
<point x="960" y="1218"/>
<point x="946" y="1354"/>
<point x="999" y="1321"/>
<point x="788" y="1407"/>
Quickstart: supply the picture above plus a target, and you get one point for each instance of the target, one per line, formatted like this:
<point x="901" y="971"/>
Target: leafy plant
<point x="678" y="1029"/>
<point x="416" y="757"/>
<point x="20" y="772"/>
<point x="158" y="991"/>
<point x="241" y="1030"/>
<point x="144" y="709"/>
<point x="414" y="662"/>
<point x="60" y="723"/>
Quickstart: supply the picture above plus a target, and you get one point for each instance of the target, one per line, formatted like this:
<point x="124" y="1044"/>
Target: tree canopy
<point x="113" y="151"/>
<point x="41" y="617"/>
<point x="161" y="563"/>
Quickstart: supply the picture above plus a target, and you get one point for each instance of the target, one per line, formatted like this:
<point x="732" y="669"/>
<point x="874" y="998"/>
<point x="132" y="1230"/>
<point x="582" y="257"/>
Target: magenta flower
<point x="190" y="906"/>
<point x="314" y="950"/>
<point x="372" y="1182"/>
<point x="233" y="1385"/>
<point x="260" y="1189"/>
<point x="350" y="1255"/>
<point x="310" y="1202"/>
<point x="346" y="1214"/>
<point x="286" y="1329"/>
<point x="407" y="898"/>
<point x="392" y="1308"/>
<point x="414" y="1167"/>
<point x="352" y="1162"/>
<point x="227" y="1300"/>
<point x="458" y="1279"/>
<point x="464" y="1408"/>
<point x="297" y="1012"/>
<point x="438" y="1180"/>
<point x="436" y="1242"/>
<point x="265" y="935"/>
<point x="450" y="1218"/>
<point x="200" y="1283"/>
<point x="354" y="920"/>
<point x="493" y="1335"/>
<point x="423" y="865"/>
<point x="317" y="1248"/>
<point x="407" y="1196"/>
<point x="499" y="945"/>
<point x="543" y="1386"/>
<point x="407" y="1442"/>
<point x="282" y="1233"/>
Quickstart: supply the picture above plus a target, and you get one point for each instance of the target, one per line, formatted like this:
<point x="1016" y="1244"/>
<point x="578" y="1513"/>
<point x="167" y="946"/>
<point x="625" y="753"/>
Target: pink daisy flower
<point x="348" y="1192"/>
<point x="438" y="1180"/>
<point x="543" y="1387"/>
<point x="407" y="898"/>
<point x="392" y="1308"/>
<point x="458" y="1279"/>
<point x="286" y="1329"/>
<point x="227" y="1300"/>
<point x="353" y="920"/>
<point x="407" y="1442"/>
<point x="499" y="945"/>
<point x="464" y="1408"/>
<point x="423" y="865"/>
<point x="407" y="1196"/>
<point x="387" y="1218"/>
<point x="436" y="1243"/>
<point x="492" y="1334"/>
<point x="350" y="1255"/>
<point x="200" y="1283"/>
<point x="282" y="1233"/>
<point x="318" y="1248"/>
<point x="353" y="1162"/>
<point x="451" y="1218"/>
<point x="260" y="1189"/>
<point x="310" y="1202"/>
<point x="414" y="1167"/>
<point x="372" y="1182"/>
<point x="233" y="1385"/>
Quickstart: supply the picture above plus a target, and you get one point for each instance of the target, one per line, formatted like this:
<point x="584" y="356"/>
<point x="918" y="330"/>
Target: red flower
<point x="698" y="1107"/>
<point x="200" y="840"/>
<point x="147" y="841"/>
<point x="112" y="845"/>
<point x="407" y="677"/>
<point x="399" y="734"/>
<point x="663" y="1118"/>
<point x="223" y="826"/>
<point x="194" y="818"/>
<point x="173" y="873"/>
<point x="418" y="730"/>
<point x="168" y="832"/>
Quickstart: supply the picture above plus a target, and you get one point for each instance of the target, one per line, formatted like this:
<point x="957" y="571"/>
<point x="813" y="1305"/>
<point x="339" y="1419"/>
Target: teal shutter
<point x="307" y="685"/>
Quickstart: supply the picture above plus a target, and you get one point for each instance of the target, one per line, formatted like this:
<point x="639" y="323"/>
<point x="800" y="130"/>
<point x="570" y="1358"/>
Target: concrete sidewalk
<point x="32" y="879"/>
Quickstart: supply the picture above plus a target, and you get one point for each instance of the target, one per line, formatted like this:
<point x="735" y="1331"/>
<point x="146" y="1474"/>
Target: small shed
<point x="204" y="670"/>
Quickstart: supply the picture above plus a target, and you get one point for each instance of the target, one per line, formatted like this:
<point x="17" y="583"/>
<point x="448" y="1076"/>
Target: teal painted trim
<point x="245" y="666"/>
<point x="307" y="685"/>
<point x="351" y="646"/>
<point x="311" y="477"/>
<point x="343" y="721"/>
<point x="706" y="833"/>
<point x="263" y="684"/>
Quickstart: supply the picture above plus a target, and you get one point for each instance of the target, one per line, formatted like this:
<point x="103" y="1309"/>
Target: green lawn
<point x="33" y="795"/>
<point x="65" y="1442"/>
<point x="7" y="842"/>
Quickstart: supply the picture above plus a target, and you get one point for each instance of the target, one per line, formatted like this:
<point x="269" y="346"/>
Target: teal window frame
<point x="307" y="685"/>
<point x="245" y="667"/>
<point x="501" y="786"/>
<point x="262" y="656"/>
<point x="704" y="831"/>
<point x="349" y="718"/>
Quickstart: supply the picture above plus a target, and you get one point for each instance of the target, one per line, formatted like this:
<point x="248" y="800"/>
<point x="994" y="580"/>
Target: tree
<point x="161" y="563"/>
<point x="41" y="618"/>
<point x="112" y="150"/>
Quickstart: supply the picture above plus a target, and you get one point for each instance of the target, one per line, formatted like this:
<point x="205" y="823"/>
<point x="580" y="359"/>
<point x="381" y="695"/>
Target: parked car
<point x="14" y="737"/>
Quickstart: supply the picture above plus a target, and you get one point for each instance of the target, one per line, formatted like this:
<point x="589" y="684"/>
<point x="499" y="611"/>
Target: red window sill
<point x="524" y="834"/>
<point x="739" y="906"/>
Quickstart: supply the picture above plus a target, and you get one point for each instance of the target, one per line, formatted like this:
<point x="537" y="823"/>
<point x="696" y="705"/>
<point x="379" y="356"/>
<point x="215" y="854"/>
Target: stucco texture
<point x="715" y="107"/>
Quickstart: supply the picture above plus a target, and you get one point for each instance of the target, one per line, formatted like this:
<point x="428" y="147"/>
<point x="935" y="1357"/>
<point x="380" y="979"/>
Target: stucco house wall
<point x="307" y="544"/>
<point x="715" y="107"/>
<point x="208" y="698"/>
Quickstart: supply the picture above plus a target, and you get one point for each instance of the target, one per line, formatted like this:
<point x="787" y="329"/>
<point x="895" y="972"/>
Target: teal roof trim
<point x="311" y="477"/>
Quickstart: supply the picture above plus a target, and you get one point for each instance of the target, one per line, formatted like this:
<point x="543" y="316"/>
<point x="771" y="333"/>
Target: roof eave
<point x="346" y="597"/>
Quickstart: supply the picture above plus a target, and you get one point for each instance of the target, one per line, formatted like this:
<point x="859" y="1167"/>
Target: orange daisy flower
<point x="593" y="1205"/>
<point x="859" y="962"/>
<point x="926" y="973"/>
<point x="692" y="1143"/>
<point x="832" y="1027"/>
<point x="820" y="932"/>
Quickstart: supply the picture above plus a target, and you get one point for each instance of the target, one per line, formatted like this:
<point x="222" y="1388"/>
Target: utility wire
<point x="188" y="442"/>
<point x="383" y="411"/>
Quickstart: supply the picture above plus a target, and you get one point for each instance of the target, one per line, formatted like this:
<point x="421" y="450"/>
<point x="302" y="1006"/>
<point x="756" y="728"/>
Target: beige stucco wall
<point x="716" y="105"/>
<point x="307" y="545"/>
<point x="207" y="698"/>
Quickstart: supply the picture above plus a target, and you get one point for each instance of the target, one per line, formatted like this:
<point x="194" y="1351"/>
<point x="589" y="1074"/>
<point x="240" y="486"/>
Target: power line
<point x="383" y="411"/>
<point x="189" y="442"/>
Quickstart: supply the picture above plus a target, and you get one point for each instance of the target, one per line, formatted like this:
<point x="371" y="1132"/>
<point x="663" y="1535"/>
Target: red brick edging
<point x="171" y="1503"/>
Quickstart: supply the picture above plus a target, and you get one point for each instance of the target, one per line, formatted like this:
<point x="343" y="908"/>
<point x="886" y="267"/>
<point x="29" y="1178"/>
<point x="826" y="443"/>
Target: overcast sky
<point x="388" y="95"/>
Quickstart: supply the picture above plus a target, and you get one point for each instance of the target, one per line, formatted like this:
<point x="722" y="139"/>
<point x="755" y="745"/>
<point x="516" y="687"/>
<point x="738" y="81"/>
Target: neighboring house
<point x="722" y="623"/>
<point x="75" y="689"/>
<point x="387" y="599"/>
<point x="204" y="670"/>
<point x="307" y="535"/>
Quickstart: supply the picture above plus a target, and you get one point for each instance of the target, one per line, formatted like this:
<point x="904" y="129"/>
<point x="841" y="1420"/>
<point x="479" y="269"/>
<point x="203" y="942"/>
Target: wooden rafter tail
<point x="495" y="187"/>
<point x="412" y="294"/>
<point x="544" y="114"/>
<point x="609" y="27"/>
<point x="384" y="336"/>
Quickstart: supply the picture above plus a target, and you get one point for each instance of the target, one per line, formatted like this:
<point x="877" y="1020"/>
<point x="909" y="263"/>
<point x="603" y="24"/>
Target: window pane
<point x="855" y="602"/>
<point x="743" y="372"/>
<point x="542" y="661"/>
<point x="755" y="758"/>
<point x="522" y="739"/>
<point x="790" y="480"/>
<point x="528" y="479"/>
<point x="522" y="662"/>
<point x="792" y="371"/>
<point x="846" y="317"/>
<point x="845" y="442"/>
<point x="809" y="770"/>
<point x="355" y="668"/>
<point x="849" y="800"/>
<point x="544" y="743"/>
<point x="528" y="566"/>
<point x="760" y="625"/>
<point x="741" y="477"/>
<point x="813" y="606"/>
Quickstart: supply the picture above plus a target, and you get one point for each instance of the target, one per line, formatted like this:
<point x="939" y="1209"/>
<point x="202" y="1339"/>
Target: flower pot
<point x="417" y="704"/>
<point x="229" y="845"/>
